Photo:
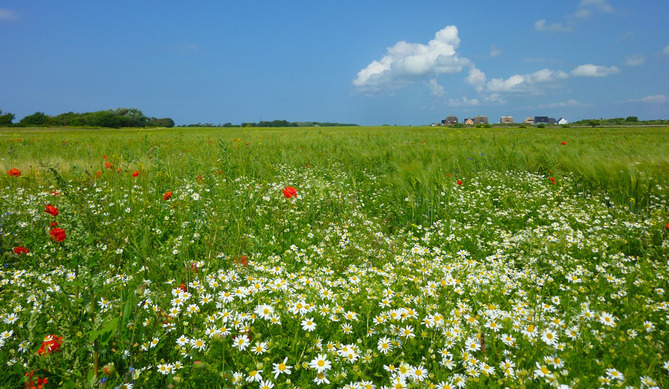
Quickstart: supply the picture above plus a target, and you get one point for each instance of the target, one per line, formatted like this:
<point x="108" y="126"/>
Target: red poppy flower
<point x="118" y="170"/>
<point x="98" y="173"/>
<point x="51" y="210"/>
<point x="104" y="157"/>
<point x="242" y="260"/>
<point x="289" y="192"/>
<point x="108" y="165"/>
<point x="21" y="250"/>
<point x="167" y="195"/>
<point x="667" y="226"/>
<point x="459" y="182"/>
<point x="57" y="234"/>
<point x="564" y="143"/>
<point x="31" y="383"/>
<point x="14" y="172"/>
<point x="50" y="344"/>
<point x="183" y="287"/>
<point x="54" y="224"/>
<point x="135" y="173"/>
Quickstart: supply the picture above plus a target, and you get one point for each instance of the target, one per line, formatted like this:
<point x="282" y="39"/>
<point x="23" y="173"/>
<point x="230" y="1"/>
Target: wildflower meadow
<point x="385" y="257"/>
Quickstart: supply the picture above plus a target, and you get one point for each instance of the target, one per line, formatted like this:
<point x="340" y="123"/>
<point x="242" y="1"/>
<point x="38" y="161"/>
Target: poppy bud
<point x="109" y="368"/>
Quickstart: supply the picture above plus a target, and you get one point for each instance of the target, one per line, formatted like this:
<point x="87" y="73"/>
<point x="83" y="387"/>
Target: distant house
<point x="506" y="120"/>
<point x="528" y="120"/>
<point x="544" y="120"/>
<point x="468" y="122"/>
<point x="562" y="121"/>
<point x="481" y="120"/>
<point x="450" y="120"/>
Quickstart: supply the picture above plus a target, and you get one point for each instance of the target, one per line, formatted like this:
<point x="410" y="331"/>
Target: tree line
<point x="273" y="123"/>
<point x="630" y="120"/>
<point x="112" y="118"/>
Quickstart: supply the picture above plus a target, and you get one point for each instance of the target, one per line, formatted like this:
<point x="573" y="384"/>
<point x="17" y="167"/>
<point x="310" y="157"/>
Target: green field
<point x="410" y="257"/>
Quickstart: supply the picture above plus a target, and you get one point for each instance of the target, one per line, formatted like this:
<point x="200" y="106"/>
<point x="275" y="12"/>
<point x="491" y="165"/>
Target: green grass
<point x="541" y="234"/>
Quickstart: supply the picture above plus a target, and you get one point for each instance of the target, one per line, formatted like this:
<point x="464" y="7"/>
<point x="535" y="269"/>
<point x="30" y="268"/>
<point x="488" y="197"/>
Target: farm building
<point x="506" y="120"/>
<point x="562" y="121"/>
<point x="528" y="120"/>
<point x="468" y="122"/>
<point x="544" y="120"/>
<point x="450" y="120"/>
<point x="481" y="120"/>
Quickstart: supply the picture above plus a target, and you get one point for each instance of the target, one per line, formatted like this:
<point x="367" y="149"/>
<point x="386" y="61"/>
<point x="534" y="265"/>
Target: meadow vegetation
<point x="335" y="257"/>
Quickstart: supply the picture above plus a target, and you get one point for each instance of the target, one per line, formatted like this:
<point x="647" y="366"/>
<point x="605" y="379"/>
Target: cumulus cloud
<point x="476" y="78"/>
<point x="655" y="99"/>
<point x="7" y="14"/>
<point x="543" y="26"/>
<point x="435" y="89"/>
<point x="405" y="63"/>
<point x="525" y="82"/>
<point x="635" y="60"/>
<point x="590" y="70"/>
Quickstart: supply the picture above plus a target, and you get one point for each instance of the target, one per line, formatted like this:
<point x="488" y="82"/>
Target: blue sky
<point x="366" y="62"/>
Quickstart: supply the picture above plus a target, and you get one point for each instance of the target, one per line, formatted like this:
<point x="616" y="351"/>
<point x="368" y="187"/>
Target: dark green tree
<point x="6" y="119"/>
<point x="36" y="119"/>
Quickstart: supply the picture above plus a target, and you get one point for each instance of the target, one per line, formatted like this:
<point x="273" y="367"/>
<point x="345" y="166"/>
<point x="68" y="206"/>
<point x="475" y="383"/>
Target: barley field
<point x="354" y="257"/>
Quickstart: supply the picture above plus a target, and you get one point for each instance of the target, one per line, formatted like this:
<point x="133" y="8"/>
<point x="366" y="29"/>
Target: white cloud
<point x="405" y="63"/>
<point x="525" y="82"/>
<point x="665" y="51"/>
<point x="635" y="60"/>
<point x="495" y="51"/>
<point x="476" y="78"/>
<point x="543" y="26"/>
<point x="590" y="70"/>
<point x="655" y="99"/>
<point x="7" y="14"/>
<point x="435" y="88"/>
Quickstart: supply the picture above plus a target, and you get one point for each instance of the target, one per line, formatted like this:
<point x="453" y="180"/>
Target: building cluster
<point x="452" y="120"/>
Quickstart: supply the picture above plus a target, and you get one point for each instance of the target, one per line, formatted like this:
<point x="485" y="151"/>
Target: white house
<point x="562" y="121"/>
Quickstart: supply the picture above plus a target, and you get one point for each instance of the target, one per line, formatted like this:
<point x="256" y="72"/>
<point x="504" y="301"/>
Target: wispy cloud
<point x="655" y="99"/>
<point x="187" y="49"/>
<point x="563" y="104"/>
<point x="665" y="51"/>
<point x="599" y="5"/>
<point x="495" y="51"/>
<point x="635" y="60"/>
<point x="8" y="14"/>
<point x="435" y="89"/>
<point x="543" y="26"/>
<point x="590" y="70"/>
<point x="463" y="102"/>
<point x="586" y="9"/>
<point x="405" y="63"/>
